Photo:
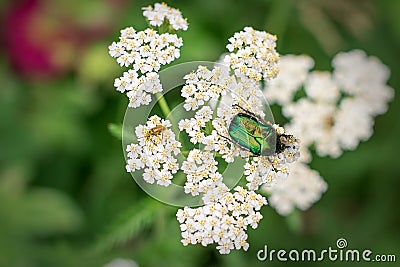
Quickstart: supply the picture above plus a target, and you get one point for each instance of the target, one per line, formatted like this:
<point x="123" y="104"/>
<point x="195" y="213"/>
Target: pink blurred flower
<point x="42" y="40"/>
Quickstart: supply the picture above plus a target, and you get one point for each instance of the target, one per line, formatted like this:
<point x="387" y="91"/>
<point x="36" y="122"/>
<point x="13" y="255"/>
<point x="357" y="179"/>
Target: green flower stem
<point x="160" y="224"/>
<point x="216" y="107"/>
<point x="185" y="152"/>
<point x="162" y="102"/>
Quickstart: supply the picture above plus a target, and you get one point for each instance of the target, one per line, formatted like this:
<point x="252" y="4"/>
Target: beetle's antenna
<point x="249" y="112"/>
<point x="242" y="108"/>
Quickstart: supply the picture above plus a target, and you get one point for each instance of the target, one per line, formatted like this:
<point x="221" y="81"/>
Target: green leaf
<point x="128" y="225"/>
<point x="51" y="212"/>
<point x="30" y="214"/>
<point x="115" y="130"/>
<point x="38" y="211"/>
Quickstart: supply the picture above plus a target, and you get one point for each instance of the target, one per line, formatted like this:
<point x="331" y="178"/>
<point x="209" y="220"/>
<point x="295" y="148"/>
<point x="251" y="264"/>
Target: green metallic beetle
<point x="250" y="132"/>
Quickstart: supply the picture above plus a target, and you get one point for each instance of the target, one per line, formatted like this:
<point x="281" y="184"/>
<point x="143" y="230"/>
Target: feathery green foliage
<point x="130" y="224"/>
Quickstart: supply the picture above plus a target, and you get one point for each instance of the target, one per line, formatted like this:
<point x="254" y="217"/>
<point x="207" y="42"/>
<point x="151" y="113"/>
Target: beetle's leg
<point x="273" y="167"/>
<point x="226" y="138"/>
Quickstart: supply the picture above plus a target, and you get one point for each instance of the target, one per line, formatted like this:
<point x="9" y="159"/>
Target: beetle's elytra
<point x="253" y="134"/>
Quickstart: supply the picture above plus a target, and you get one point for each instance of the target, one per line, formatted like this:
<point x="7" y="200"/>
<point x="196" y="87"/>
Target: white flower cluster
<point x="139" y="89"/>
<point x="276" y="163"/>
<point x="203" y="177"/>
<point x="301" y="189"/>
<point x="317" y="113"/>
<point x="293" y="71"/>
<point x="223" y="222"/>
<point x="155" y="151"/>
<point x="247" y="94"/>
<point x="204" y="85"/>
<point x="243" y="91"/>
<point x="161" y="13"/>
<point x="364" y="78"/>
<point x="194" y="126"/>
<point x="336" y="113"/>
<point x="220" y="135"/>
<point x="217" y="96"/>
<point x="201" y="171"/>
<point x="253" y="54"/>
<point x="330" y="111"/>
<point x="144" y="52"/>
<point x="269" y="170"/>
<point x="339" y="106"/>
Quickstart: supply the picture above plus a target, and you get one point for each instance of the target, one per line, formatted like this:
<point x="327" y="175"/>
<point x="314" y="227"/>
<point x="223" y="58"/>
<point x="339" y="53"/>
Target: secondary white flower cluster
<point x="364" y="78"/>
<point x="154" y="152"/>
<point x="334" y="114"/>
<point x="162" y="13"/>
<point x="301" y="189"/>
<point x="293" y="71"/>
<point x="144" y="52"/>
<point x="253" y="54"/>
<point x="223" y="222"/>
<point x="340" y="106"/>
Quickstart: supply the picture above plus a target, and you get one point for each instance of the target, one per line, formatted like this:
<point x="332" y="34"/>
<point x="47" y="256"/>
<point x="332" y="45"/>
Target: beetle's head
<point x="281" y="141"/>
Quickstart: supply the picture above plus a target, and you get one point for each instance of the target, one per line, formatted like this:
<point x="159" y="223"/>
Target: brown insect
<point x="155" y="131"/>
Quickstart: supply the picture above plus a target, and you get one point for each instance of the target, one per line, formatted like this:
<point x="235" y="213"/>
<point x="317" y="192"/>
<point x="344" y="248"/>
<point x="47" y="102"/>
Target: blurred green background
<point x="65" y="198"/>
